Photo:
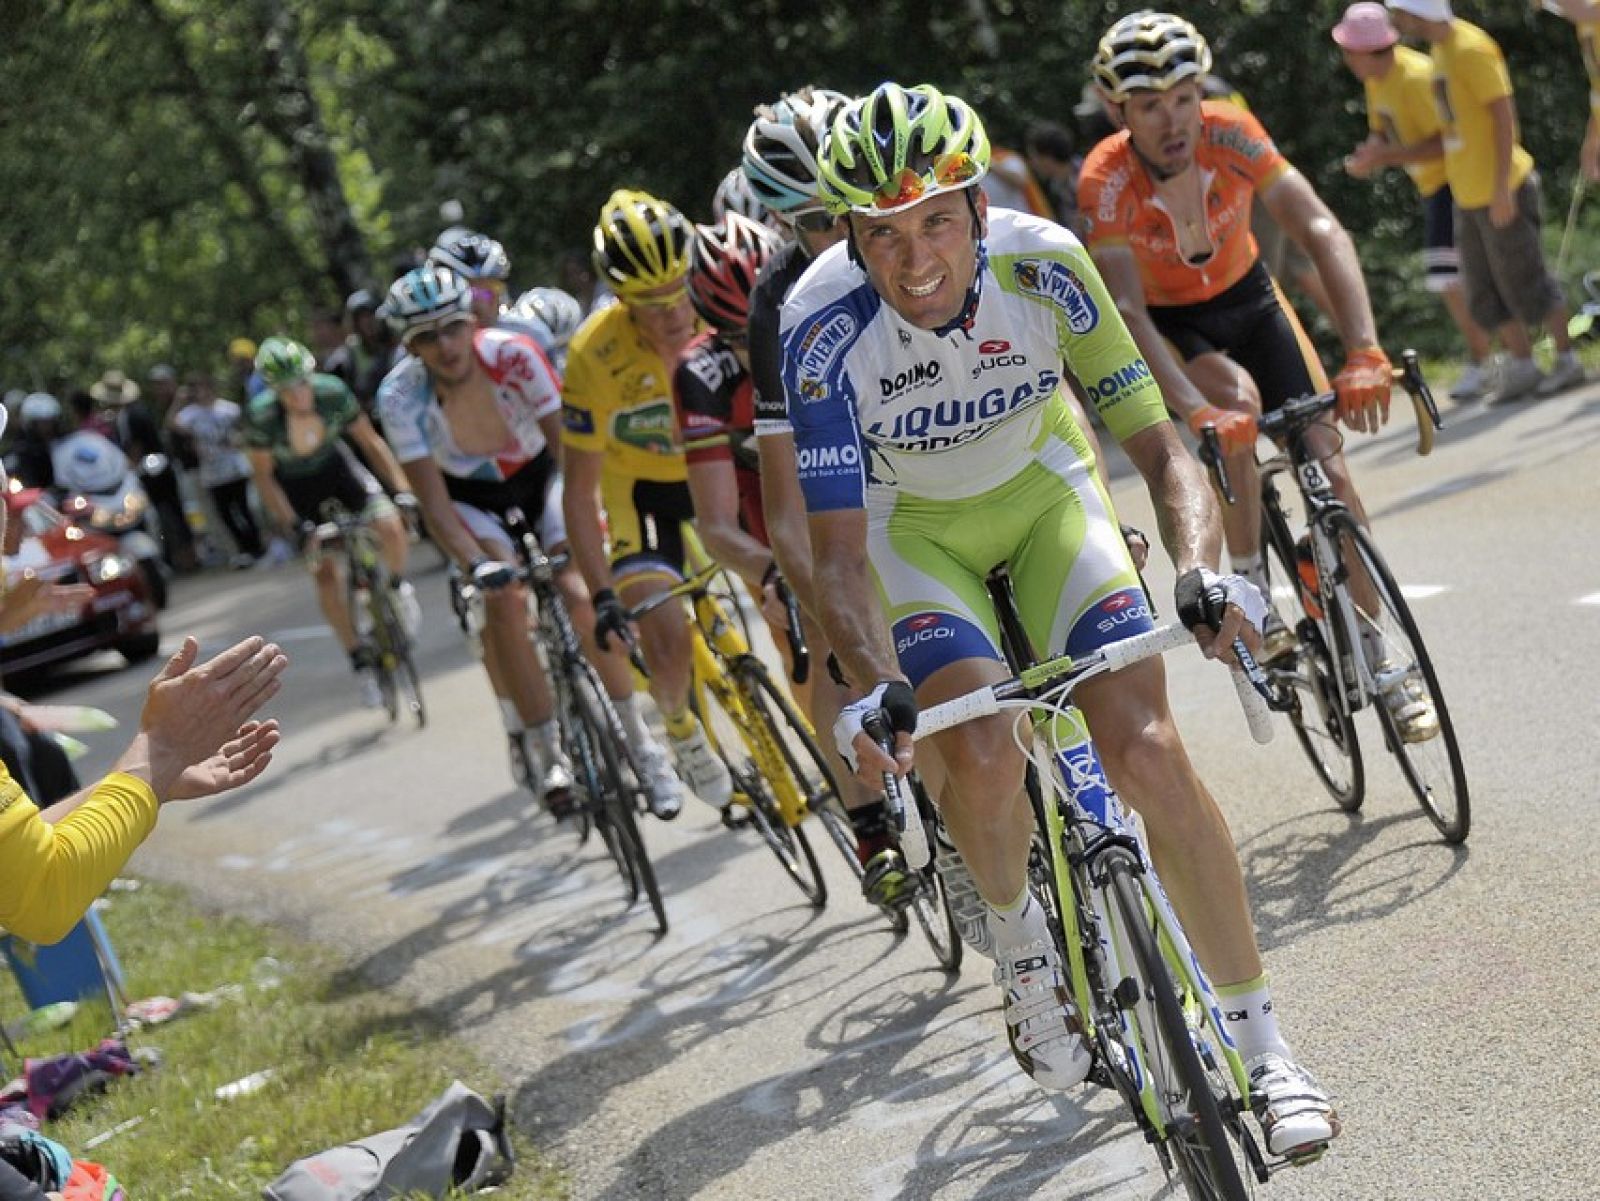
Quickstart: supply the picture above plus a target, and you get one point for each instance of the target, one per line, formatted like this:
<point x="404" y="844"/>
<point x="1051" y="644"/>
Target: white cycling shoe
<point x="705" y="774"/>
<point x="1294" y="1110"/>
<point x="1041" y="1024"/>
<point x="663" y="790"/>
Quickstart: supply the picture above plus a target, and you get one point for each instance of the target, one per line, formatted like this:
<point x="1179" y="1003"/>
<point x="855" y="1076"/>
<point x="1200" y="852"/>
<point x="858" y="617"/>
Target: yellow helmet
<point x="641" y="243"/>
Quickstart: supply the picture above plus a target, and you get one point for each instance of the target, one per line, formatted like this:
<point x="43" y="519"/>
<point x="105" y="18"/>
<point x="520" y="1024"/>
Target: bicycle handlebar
<point x="984" y="702"/>
<point x="799" y="653"/>
<point x="1300" y="412"/>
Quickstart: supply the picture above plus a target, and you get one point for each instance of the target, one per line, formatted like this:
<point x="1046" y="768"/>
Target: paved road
<point x="763" y="1050"/>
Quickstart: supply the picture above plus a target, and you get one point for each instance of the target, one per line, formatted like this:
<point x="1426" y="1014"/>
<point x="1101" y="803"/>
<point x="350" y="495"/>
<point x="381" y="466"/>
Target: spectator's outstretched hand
<point x="239" y="760"/>
<point x="191" y="711"/>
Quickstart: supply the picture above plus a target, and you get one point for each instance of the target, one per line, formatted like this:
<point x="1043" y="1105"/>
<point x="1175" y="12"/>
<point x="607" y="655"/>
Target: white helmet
<point x="39" y="406"/>
<point x="470" y="255"/>
<point x="781" y="147"/>
<point x="559" y="311"/>
<point x="735" y="195"/>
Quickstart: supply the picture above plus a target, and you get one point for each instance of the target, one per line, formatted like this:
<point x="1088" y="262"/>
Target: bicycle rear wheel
<point x="1203" y="1135"/>
<point x="1430" y="762"/>
<point x="1307" y="686"/>
<point x="613" y="808"/>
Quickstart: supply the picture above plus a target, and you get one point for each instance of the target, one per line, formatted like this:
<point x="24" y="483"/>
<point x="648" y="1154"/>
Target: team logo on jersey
<point x="1058" y="283"/>
<point x="911" y="378"/>
<point x="994" y="346"/>
<point x="579" y="421"/>
<point x="905" y="339"/>
<point x="820" y="348"/>
<point x="1108" y="386"/>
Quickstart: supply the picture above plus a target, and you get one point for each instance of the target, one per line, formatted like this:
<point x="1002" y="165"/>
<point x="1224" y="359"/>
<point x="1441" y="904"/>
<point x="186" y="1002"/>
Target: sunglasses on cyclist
<point x="817" y="221"/>
<point x="948" y="171"/>
<point x="668" y="301"/>
<point x="430" y="337"/>
<point x="488" y="293"/>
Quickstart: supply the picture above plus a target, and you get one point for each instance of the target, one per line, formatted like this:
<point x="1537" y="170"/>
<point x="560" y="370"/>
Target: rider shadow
<point x="1302" y="876"/>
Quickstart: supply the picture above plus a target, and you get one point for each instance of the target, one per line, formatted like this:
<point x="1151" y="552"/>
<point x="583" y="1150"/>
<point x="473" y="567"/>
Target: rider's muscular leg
<point x="1189" y="840"/>
<point x="616" y="675"/>
<point x="668" y="648"/>
<point x="984" y="807"/>
<point x="516" y="665"/>
<point x="395" y="544"/>
<point x="335" y="606"/>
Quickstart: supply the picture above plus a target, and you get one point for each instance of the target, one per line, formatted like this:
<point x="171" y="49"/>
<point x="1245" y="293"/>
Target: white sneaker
<point x="1294" y="1111"/>
<point x="410" y="608"/>
<point x="1518" y="377"/>
<point x="556" y="786"/>
<point x="1566" y="372"/>
<point x="662" y="789"/>
<point x="705" y="774"/>
<point x="1041" y="1024"/>
<point x="1474" y="383"/>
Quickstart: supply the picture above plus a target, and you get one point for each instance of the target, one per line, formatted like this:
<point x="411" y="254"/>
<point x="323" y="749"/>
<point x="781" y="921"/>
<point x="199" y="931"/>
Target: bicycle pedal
<point x="735" y="816"/>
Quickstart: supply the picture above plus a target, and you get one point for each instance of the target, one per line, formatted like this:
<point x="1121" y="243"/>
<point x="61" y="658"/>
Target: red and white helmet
<point x="724" y="264"/>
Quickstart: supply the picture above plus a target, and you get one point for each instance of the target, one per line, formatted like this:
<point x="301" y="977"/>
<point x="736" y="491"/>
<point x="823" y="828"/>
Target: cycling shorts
<point x="1253" y="324"/>
<point x="535" y="489"/>
<point x="1052" y="524"/>
<point x="377" y="507"/>
<point x="645" y="520"/>
<point x="340" y="481"/>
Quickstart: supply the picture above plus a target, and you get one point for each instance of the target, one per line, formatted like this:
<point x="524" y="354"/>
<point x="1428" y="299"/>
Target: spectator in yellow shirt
<point x="1496" y="191"/>
<point x="1404" y="131"/>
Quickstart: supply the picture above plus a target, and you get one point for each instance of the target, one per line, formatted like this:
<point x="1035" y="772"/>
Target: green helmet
<point x="897" y="147"/>
<point x="282" y="361"/>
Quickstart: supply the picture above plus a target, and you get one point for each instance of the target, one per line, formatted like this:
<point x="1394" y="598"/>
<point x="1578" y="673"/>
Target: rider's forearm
<point x="1177" y="390"/>
<point x="783" y="506"/>
<point x="1186" y="511"/>
<point x="734" y="549"/>
<point x="852" y="621"/>
<point x="448" y="531"/>
<point x="277" y="503"/>
<point x="1334" y="253"/>
<point x="585" y="537"/>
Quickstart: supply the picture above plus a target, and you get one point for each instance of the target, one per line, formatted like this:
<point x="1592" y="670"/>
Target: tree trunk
<point x="225" y="139"/>
<point x="289" y="112"/>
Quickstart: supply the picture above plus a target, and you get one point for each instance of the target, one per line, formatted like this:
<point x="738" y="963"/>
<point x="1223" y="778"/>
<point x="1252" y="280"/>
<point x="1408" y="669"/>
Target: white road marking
<point x="300" y="634"/>
<point x="1422" y="591"/>
<point x="1592" y="599"/>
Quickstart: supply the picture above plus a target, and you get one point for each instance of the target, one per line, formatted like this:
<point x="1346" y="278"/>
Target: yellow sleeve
<point x="1483" y="71"/>
<point x="50" y="874"/>
<point x="582" y="424"/>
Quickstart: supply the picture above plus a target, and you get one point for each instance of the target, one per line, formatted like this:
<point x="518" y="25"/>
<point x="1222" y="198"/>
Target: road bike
<point x="370" y="595"/>
<point x="1346" y="658"/>
<point x="607" y="778"/>
<point x="1152" y="1021"/>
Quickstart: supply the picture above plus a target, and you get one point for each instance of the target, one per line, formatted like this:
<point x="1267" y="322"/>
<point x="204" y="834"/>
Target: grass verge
<point x="342" y="1066"/>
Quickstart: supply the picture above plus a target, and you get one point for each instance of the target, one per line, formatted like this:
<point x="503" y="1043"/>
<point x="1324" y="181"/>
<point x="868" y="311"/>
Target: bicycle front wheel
<point x="1201" y="1117"/>
<point x="1424" y="746"/>
<point x="614" y="811"/>
<point x="1306" y="685"/>
<point x="931" y="903"/>
<point x="397" y="670"/>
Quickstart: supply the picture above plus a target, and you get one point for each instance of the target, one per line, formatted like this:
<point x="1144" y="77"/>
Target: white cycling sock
<point x="1247" y="1008"/>
<point x="633" y="723"/>
<point x="1017" y="924"/>
<point x="1251" y="567"/>
<point x="509" y="717"/>
<point x="547" y="737"/>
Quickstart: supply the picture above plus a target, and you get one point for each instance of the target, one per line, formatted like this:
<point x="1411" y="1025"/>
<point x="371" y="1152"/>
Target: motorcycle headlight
<point x="102" y="516"/>
<point x="107" y="568"/>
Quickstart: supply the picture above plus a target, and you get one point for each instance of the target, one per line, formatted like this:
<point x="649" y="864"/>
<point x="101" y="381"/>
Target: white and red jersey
<point x="525" y="388"/>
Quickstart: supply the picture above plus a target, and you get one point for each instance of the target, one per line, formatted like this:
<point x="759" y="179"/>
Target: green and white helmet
<point x="897" y="147"/>
<point x="282" y="361"/>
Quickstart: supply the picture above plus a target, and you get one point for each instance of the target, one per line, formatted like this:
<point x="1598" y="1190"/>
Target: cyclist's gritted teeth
<point x="924" y="289"/>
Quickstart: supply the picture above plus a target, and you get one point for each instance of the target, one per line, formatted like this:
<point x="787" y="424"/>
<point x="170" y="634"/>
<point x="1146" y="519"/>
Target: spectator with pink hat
<point x="1404" y="131"/>
<point x="1496" y="190"/>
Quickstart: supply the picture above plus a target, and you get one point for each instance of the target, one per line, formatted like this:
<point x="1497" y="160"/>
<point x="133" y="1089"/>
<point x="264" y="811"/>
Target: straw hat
<point x="114" y="388"/>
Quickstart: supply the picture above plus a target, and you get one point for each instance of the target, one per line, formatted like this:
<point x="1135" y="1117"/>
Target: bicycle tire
<point x="574" y="738"/>
<point x="398" y="676"/>
<point x="931" y="904"/>
<point x="1197" y="1137"/>
<point x="1438" y="780"/>
<point x="1327" y="734"/>
<point x="616" y="813"/>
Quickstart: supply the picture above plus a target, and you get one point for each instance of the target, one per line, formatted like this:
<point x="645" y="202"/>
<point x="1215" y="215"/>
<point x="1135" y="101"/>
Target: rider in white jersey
<point x="923" y="364"/>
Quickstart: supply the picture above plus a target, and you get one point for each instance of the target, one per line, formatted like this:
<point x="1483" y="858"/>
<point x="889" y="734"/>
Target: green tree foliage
<point x="174" y="174"/>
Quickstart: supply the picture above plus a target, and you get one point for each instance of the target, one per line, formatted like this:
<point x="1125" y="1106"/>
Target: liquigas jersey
<point x="879" y="405"/>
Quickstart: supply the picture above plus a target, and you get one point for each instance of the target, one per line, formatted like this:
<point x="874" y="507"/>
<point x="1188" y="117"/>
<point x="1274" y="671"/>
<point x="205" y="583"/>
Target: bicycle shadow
<point x="1303" y="875"/>
<point x="894" y="1062"/>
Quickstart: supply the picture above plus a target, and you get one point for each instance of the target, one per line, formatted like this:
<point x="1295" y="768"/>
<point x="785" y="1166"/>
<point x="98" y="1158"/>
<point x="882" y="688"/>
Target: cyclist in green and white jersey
<point x="923" y="365"/>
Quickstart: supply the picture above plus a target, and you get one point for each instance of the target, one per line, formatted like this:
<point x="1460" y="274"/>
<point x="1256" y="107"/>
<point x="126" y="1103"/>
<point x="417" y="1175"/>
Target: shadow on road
<point x="1304" y="877"/>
